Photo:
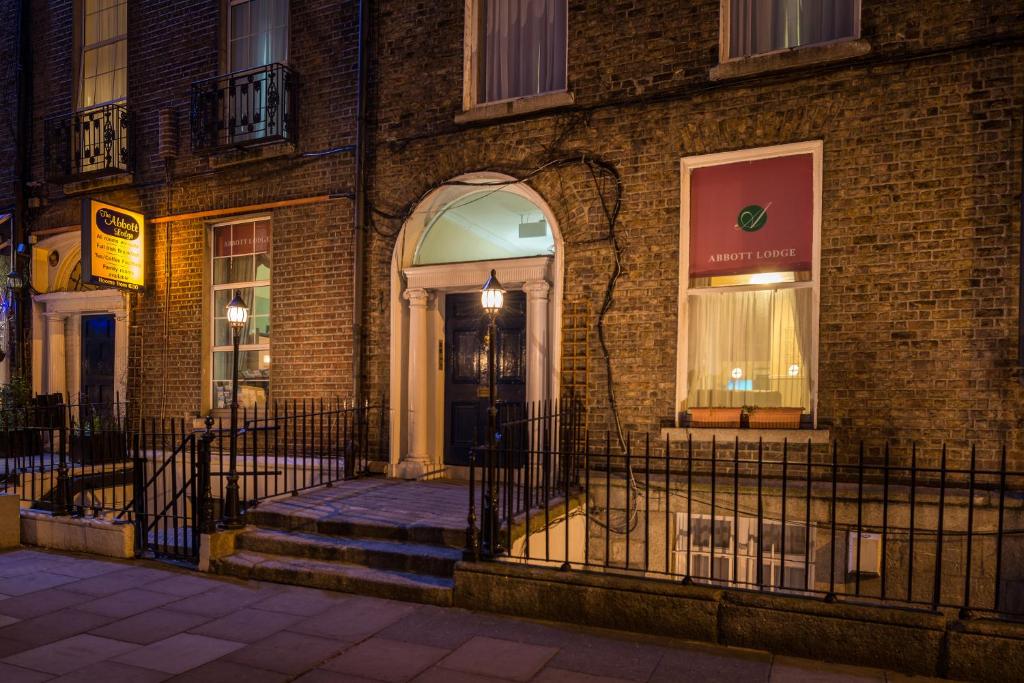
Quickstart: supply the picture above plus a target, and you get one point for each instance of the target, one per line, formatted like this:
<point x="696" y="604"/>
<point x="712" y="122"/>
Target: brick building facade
<point x="302" y="183"/>
<point x="917" y="118"/>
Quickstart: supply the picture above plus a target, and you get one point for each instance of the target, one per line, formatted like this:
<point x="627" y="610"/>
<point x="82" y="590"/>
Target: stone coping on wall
<point x="746" y="436"/>
<point x="78" y="534"/>
<point x="915" y="641"/>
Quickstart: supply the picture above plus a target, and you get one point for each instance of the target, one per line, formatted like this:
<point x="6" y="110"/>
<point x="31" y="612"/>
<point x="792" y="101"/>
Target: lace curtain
<point x="523" y="48"/>
<point x="759" y="26"/>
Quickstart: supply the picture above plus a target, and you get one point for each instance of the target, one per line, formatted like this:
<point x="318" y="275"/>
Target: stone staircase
<point x="350" y="553"/>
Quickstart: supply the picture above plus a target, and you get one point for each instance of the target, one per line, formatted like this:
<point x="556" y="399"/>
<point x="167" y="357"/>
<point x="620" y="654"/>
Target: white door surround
<point x="57" y="321"/>
<point x="418" y="326"/>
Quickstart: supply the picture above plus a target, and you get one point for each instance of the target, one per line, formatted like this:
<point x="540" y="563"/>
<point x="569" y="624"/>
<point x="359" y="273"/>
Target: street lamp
<point x="492" y="297"/>
<point x="238" y="316"/>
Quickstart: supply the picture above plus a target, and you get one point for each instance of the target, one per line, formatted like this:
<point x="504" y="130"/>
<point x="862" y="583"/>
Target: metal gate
<point x="167" y="502"/>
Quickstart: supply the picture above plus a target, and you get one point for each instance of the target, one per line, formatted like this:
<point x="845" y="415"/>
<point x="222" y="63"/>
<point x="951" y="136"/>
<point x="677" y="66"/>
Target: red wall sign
<point x="752" y="216"/>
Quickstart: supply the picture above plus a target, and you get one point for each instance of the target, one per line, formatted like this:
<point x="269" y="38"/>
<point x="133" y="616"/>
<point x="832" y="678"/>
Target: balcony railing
<point x="245" y="108"/>
<point x="88" y="143"/>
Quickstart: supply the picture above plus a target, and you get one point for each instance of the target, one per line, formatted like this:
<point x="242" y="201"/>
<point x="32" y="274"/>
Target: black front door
<point x="465" y="372"/>
<point x="98" y="360"/>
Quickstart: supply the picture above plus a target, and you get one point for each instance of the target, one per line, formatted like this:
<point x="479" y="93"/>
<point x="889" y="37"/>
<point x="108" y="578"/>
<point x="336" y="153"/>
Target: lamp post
<point x="492" y="297"/>
<point x="238" y="316"/>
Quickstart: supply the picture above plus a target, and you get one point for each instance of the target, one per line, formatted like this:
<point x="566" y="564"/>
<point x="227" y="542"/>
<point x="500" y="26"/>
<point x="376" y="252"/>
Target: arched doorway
<point x="443" y="255"/>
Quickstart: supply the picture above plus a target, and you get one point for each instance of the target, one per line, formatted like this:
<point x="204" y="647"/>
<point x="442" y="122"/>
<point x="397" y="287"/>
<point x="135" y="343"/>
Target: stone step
<point x="351" y="525"/>
<point x="338" y="576"/>
<point x="368" y="552"/>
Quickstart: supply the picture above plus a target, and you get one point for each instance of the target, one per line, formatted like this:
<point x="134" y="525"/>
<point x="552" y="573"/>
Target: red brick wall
<point x="922" y="143"/>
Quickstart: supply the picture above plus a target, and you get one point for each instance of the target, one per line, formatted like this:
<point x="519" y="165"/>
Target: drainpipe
<point x="359" y="206"/>
<point x="1020" y="275"/>
<point x="23" y="137"/>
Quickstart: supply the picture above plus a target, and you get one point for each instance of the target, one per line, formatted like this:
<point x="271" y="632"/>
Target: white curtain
<point x="749" y="348"/>
<point x="523" y="48"/>
<point x="759" y="26"/>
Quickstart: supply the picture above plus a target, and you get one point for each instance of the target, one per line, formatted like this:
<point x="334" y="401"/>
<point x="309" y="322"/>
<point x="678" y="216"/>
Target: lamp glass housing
<point x="492" y="296"/>
<point x="14" y="281"/>
<point x="238" y="312"/>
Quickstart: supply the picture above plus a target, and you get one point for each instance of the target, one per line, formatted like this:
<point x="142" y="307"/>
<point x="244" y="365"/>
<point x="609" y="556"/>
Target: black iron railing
<point x="878" y="525"/>
<point x="68" y="458"/>
<point x="291" y="446"/>
<point x="88" y="143"/>
<point x="245" y="108"/>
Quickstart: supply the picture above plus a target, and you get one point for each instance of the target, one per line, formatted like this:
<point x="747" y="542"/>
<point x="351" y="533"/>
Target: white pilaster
<point x="537" y="293"/>
<point x="56" y="371"/>
<point x="73" y="361"/>
<point x="417" y="461"/>
<point x="121" y="355"/>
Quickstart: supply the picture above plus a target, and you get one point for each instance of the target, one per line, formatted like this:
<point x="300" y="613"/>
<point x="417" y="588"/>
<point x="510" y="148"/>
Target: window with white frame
<point x="731" y="557"/>
<point x="753" y="27"/>
<point x="257" y="33"/>
<point x="103" y="61"/>
<point x="749" y="279"/>
<point x="241" y="262"/>
<point x="518" y="48"/>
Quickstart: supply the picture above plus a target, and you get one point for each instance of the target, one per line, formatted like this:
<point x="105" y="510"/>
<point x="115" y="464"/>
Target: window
<point x="258" y="33"/>
<point x="734" y="557"/>
<point x="753" y="27"/>
<point x="241" y="262"/>
<point x="519" y="48"/>
<point x="749" y="279"/>
<point x="103" y="63"/>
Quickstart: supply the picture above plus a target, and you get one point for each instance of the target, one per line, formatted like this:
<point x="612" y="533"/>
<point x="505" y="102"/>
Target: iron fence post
<point x="207" y="524"/>
<point x="63" y="489"/>
<point x="472" y="550"/>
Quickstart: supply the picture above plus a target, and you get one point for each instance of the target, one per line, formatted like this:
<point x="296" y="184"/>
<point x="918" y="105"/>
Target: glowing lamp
<point x="238" y="312"/>
<point x="492" y="296"/>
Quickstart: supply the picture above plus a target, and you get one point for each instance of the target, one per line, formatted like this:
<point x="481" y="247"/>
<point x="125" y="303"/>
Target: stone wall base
<point x="95" y="536"/>
<point x="908" y="640"/>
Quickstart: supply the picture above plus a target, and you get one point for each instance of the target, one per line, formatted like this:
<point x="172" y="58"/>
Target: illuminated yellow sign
<point x="113" y="246"/>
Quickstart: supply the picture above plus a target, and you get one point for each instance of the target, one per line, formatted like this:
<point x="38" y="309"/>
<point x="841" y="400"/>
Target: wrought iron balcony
<point x="245" y="108"/>
<point x="88" y="143"/>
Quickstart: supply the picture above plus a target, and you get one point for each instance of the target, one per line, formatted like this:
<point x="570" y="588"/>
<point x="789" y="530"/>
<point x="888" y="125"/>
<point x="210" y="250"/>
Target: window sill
<point x="521" y="105"/>
<point x="105" y="182"/>
<point x="745" y="436"/>
<point x="243" y="155"/>
<point x="790" y="59"/>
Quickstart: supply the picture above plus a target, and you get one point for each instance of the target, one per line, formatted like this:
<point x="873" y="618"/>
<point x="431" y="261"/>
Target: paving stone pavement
<point x="74" y="618"/>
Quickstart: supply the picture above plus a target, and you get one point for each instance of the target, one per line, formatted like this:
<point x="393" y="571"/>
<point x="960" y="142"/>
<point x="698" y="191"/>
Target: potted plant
<point x="725" y="418"/>
<point x="19" y="436"/>
<point x="774" y="418"/>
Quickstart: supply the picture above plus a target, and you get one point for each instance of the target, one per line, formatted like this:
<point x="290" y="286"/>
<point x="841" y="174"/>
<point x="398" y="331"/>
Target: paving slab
<point x="286" y="652"/>
<point x="16" y="674"/>
<point x="220" y="671"/>
<point x="40" y="602"/>
<point x="65" y="656"/>
<point x="354" y="619"/>
<point x="30" y="582"/>
<point x="553" y="675"/>
<point x="179" y="653"/>
<point x="52" y="627"/>
<point x="712" y="666"/>
<point x="386" y="660"/>
<point x="795" y="670"/>
<point x="247" y="625"/>
<point x="505" y="658"/>
<point x="306" y="602"/>
<point x="127" y="603"/>
<point x="112" y="672"/>
<point x="151" y="626"/>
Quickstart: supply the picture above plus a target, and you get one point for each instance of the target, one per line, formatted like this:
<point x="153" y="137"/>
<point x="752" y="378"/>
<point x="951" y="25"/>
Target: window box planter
<point x="775" y="418"/>
<point x="726" y="418"/>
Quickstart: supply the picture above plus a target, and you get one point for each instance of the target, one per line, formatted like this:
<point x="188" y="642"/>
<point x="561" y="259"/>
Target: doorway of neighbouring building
<point x="98" y="360"/>
<point x="466" y="396"/>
